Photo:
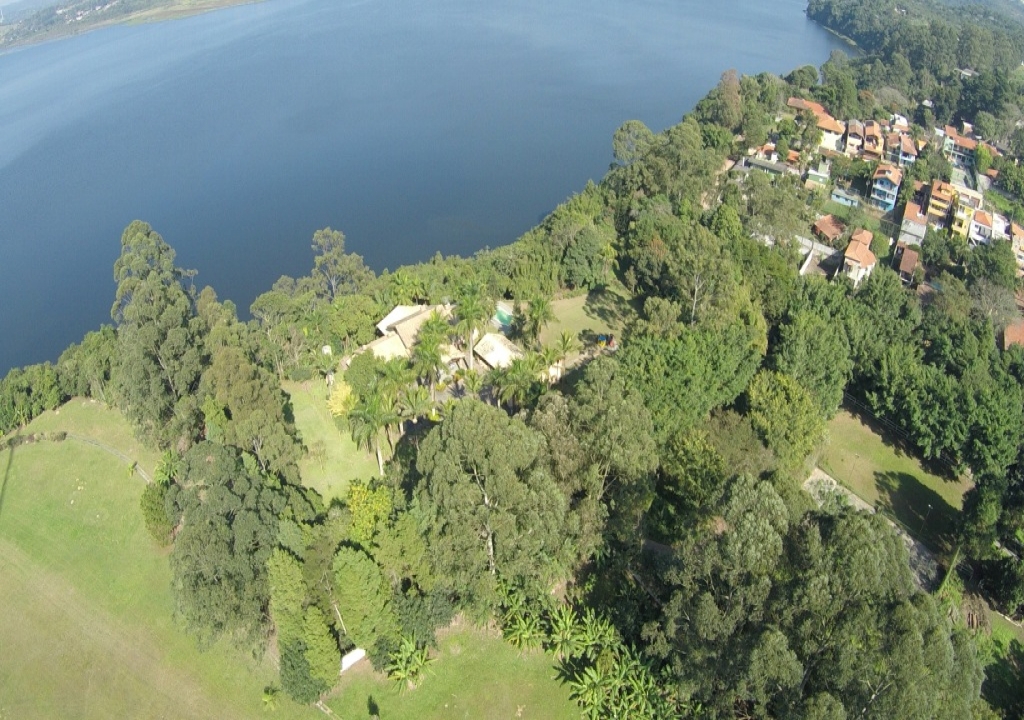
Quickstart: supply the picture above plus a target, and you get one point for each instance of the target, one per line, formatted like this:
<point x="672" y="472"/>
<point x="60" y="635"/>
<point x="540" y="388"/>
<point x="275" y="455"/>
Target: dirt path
<point x="924" y="564"/>
<point x="115" y="452"/>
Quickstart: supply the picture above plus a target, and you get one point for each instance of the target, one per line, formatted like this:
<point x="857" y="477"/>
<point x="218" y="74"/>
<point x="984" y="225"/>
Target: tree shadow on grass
<point x="900" y="445"/>
<point x="1003" y="688"/>
<point x="922" y="511"/>
<point x="12" y="443"/>
<point x="609" y="307"/>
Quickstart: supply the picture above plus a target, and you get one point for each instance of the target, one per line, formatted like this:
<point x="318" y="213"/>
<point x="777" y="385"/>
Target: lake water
<point x="413" y="127"/>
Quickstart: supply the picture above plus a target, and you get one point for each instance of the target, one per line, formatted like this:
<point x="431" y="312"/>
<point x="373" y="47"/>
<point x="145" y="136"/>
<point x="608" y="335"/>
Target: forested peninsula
<point x="683" y="439"/>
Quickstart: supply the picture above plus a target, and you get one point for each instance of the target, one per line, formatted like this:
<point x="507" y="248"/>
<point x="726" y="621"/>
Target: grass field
<point x="88" y="633"/>
<point x="470" y="679"/>
<point x="599" y="312"/>
<point x="892" y="480"/>
<point x="342" y="460"/>
<point x="87" y="629"/>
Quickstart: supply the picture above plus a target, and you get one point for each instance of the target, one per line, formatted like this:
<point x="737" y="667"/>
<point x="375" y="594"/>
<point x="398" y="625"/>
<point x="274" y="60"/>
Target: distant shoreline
<point x="173" y="10"/>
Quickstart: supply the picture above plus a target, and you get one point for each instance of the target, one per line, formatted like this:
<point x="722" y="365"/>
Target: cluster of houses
<point x="962" y="211"/>
<point x="890" y="144"/>
<point x="400" y="328"/>
<point x="856" y="262"/>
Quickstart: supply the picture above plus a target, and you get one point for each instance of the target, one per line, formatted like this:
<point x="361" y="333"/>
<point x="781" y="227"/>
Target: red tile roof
<point x="890" y="172"/>
<point x="907" y="146"/>
<point x="830" y="124"/>
<point x="1014" y="334"/>
<point x="829" y="227"/>
<point x="860" y="252"/>
<point x="908" y="261"/>
<point x="801" y="104"/>
<point x="942" y="190"/>
<point x="912" y="212"/>
<point x="862" y="236"/>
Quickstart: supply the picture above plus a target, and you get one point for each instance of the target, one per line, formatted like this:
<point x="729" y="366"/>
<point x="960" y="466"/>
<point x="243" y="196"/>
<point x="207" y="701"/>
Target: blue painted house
<point x="885" y="186"/>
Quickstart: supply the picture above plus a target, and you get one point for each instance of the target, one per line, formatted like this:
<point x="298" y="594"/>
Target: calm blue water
<point x="413" y="127"/>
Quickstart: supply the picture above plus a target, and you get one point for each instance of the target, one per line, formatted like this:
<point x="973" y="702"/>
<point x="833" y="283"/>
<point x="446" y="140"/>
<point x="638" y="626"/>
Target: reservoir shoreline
<point x="238" y="133"/>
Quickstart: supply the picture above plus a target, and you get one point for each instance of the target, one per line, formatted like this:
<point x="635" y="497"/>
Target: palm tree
<point x="270" y="693"/>
<point x="427" y="361"/>
<point x="368" y="419"/>
<point x="566" y="344"/>
<point x="414" y="402"/>
<point x="496" y="379"/>
<point x="590" y="690"/>
<point x="406" y="287"/>
<point x="519" y="380"/>
<point x="473" y="311"/>
<point x="524" y="631"/>
<point x="538" y="314"/>
<point x="472" y="382"/>
<point x="550" y="359"/>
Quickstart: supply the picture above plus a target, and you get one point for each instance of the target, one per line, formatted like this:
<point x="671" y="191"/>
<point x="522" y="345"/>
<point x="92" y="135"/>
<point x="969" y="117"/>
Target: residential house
<point x="980" y="232"/>
<point x="885" y="186"/>
<point x="874" y="146"/>
<point x="900" y="149"/>
<point x="854" y="138"/>
<point x="1013" y="335"/>
<point x="775" y="169"/>
<point x="1000" y="227"/>
<point x="858" y="260"/>
<point x="820" y="175"/>
<point x="497" y="351"/>
<point x="400" y="327"/>
<point x="914" y="226"/>
<point x="906" y="262"/>
<point x="387" y="347"/>
<point x="967" y="203"/>
<point x="828" y="229"/>
<point x="843" y="197"/>
<point x="941" y="197"/>
<point x="832" y="132"/>
<point x="1017" y="238"/>
<point x="801" y="105"/>
<point x="958" y="148"/>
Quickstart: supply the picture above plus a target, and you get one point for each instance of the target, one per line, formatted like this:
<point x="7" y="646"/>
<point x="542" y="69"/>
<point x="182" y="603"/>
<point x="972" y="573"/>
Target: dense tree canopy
<point x="491" y="508"/>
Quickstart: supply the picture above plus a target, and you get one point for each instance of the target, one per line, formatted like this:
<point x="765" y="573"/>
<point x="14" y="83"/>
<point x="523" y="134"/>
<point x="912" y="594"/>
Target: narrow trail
<point x="113" y="451"/>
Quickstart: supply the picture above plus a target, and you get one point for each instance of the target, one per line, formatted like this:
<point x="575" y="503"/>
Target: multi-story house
<point x="967" y="203"/>
<point x="900" y="149"/>
<point x="941" y="197"/>
<point x="885" y="186"/>
<point x="915" y="224"/>
<point x="858" y="260"/>
<point x="832" y="132"/>
<point x="874" y="146"/>
<point x="959" y="149"/>
<point x="854" y="138"/>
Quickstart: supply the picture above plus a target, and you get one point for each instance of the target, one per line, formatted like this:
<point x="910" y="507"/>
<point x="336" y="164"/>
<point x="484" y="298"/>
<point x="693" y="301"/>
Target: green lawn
<point x="892" y="480"/>
<point x="342" y="461"/>
<point x="865" y="218"/>
<point x="599" y="312"/>
<point x="87" y="629"/>
<point x="1005" y="670"/>
<point x="476" y="675"/>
